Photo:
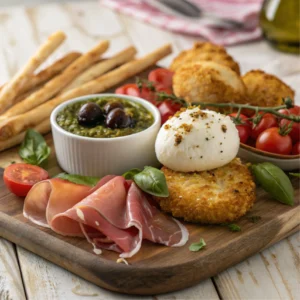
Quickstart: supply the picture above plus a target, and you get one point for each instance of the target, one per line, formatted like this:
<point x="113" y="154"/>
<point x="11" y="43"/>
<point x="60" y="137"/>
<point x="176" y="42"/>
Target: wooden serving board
<point x="155" y="269"/>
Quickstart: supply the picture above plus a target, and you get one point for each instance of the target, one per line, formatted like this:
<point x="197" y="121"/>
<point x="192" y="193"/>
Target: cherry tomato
<point x="296" y="149"/>
<point x="151" y="96"/>
<point x="295" y="132"/>
<point x="267" y="121"/>
<point x="145" y="93"/>
<point x="244" y="129"/>
<point x="161" y="76"/>
<point x="291" y="111"/>
<point x="148" y="95"/>
<point x="128" y="89"/>
<point x="271" y="140"/>
<point x="19" y="178"/>
<point x="167" y="109"/>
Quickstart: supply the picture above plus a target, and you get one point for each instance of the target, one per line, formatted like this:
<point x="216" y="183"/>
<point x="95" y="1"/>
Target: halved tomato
<point x="167" y="109"/>
<point x="162" y="76"/>
<point x="20" y="178"/>
<point x="128" y="89"/>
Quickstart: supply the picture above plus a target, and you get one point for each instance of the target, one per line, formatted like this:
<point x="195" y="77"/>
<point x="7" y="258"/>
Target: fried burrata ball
<point x="205" y="52"/>
<point x="211" y="197"/>
<point x="264" y="89"/>
<point x="208" y="82"/>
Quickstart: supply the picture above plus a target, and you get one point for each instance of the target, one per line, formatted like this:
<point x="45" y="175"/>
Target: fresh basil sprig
<point x="150" y="180"/>
<point x="295" y="174"/>
<point x="79" y="179"/>
<point x="34" y="149"/>
<point x="130" y="174"/>
<point x="197" y="246"/>
<point x="274" y="181"/>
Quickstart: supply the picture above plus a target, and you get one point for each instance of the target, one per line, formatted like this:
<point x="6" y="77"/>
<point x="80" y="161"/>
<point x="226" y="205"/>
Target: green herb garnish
<point x="34" y="149"/>
<point x="234" y="227"/>
<point x="274" y="181"/>
<point x="197" y="246"/>
<point x="295" y="174"/>
<point x="79" y="179"/>
<point x="150" y="180"/>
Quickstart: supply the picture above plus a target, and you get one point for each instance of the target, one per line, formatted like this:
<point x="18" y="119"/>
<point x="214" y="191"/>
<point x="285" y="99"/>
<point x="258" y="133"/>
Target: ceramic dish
<point x="285" y="162"/>
<point x="101" y="156"/>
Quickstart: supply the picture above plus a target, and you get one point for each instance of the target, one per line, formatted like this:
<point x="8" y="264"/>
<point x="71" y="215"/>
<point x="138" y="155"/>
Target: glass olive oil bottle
<point x="280" y="22"/>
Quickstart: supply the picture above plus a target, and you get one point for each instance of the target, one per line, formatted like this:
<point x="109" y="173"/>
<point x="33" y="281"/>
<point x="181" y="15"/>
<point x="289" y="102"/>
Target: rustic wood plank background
<point x="272" y="274"/>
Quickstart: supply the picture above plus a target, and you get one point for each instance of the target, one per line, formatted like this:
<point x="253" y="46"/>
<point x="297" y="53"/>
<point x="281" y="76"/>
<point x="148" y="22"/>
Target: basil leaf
<point x="34" y="149"/>
<point x="152" y="181"/>
<point x="234" y="227"/>
<point x="295" y="174"/>
<point x="274" y="181"/>
<point x="130" y="174"/>
<point x="79" y="179"/>
<point x="197" y="246"/>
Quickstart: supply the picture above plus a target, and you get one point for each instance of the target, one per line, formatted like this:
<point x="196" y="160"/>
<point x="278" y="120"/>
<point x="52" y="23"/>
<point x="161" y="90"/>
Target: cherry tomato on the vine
<point x="242" y="125"/>
<point x="271" y="140"/>
<point x="291" y="111"/>
<point x="267" y="121"/>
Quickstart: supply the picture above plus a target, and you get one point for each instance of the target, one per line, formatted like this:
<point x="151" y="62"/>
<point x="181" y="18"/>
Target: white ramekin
<point x="102" y="156"/>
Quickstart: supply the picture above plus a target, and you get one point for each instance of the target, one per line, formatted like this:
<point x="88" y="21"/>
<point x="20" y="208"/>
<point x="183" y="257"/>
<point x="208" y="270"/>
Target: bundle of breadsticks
<point x="27" y="100"/>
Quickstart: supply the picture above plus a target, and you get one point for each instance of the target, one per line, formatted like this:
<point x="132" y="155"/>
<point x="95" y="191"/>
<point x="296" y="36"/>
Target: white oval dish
<point x="102" y="156"/>
<point x="253" y="155"/>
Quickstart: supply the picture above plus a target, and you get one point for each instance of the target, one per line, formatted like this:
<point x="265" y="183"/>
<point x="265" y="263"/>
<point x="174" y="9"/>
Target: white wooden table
<point x="271" y="274"/>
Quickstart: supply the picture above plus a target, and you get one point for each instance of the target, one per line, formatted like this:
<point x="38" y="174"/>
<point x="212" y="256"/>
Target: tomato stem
<point x="272" y="110"/>
<point x="288" y="103"/>
<point x="285" y="129"/>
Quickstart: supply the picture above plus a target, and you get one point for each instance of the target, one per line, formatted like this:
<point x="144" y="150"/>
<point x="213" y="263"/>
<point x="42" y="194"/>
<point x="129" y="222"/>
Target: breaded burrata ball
<point x="196" y="140"/>
<point x="205" y="52"/>
<point x="264" y="89"/>
<point x="208" y="82"/>
<point x="217" y="196"/>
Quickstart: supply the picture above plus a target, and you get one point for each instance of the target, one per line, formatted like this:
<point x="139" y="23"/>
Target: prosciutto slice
<point x="115" y="215"/>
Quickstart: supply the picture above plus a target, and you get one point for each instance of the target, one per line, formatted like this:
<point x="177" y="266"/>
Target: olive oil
<point x="280" y="23"/>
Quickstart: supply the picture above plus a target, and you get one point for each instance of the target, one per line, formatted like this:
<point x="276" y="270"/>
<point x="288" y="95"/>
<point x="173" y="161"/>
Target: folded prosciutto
<point x="114" y="215"/>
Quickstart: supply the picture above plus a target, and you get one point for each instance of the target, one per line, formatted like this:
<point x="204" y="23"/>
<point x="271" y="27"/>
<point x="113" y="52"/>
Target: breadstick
<point x="17" y="124"/>
<point x="102" y="67"/>
<point x="42" y="128"/>
<point x="12" y="89"/>
<point x="52" y="87"/>
<point x="49" y="72"/>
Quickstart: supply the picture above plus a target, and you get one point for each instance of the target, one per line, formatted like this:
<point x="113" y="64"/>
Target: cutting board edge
<point x="104" y="273"/>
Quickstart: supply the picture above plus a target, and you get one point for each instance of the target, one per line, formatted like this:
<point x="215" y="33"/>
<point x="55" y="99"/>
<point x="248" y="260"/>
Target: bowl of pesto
<point x="103" y="134"/>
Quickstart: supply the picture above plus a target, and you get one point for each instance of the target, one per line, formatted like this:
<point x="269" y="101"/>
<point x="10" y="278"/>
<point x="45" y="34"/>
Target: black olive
<point x="90" y="114"/>
<point x="110" y="106"/>
<point x="117" y="118"/>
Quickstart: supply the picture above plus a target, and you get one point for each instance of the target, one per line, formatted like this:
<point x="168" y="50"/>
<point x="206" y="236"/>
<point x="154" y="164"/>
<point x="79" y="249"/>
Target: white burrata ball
<point x="197" y="140"/>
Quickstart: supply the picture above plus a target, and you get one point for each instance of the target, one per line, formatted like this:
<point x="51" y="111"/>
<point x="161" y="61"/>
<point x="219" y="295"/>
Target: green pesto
<point x="67" y="119"/>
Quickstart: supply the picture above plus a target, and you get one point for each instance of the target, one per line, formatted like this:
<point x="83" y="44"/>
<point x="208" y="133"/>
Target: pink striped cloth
<point x="245" y="11"/>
